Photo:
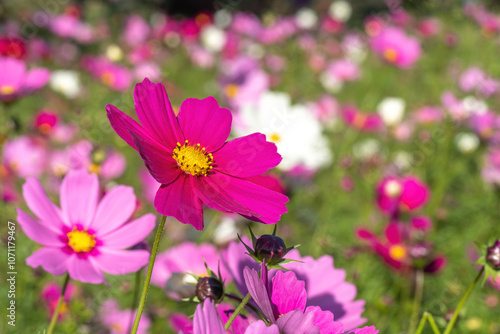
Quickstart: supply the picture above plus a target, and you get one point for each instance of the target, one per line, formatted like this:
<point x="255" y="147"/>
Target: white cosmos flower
<point x="213" y="38"/>
<point x="366" y="149"/>
<point x="114" y="53"/>
<point x="331" y="83"/>
<point x="473" y="105"/>
<point x="294" y="130"/>
<point x="467" y="142"/>
<point x="65" y="82"/>
<point x="340" y="10"/>
<point x="306" y="18"/>
<point x="391" y="110"/>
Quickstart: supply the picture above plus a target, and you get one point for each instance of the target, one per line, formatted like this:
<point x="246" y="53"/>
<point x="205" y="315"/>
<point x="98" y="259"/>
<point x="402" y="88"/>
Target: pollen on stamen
<point x="192" y="159"/>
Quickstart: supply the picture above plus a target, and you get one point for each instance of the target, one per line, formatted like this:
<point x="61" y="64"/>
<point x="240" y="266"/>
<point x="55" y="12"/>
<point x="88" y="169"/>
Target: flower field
<point x="250" y="168"/>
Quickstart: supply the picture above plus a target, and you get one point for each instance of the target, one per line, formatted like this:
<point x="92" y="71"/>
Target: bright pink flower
<point x="395" y="47"/>
<point x="174" y="267"/>
<point x="485" y="125"/>
<point x="429" y="27"/>
<point x="114" y="76"/>
<point x="24" y="156"/>
<point x="118" y="321"/>
<point x="12" y="47"/>
<point x="188" y="154"/>
<point x="51" y="293"/>
<point x="46" y="121"/>
<point x="407" y="193"/>
<point x="207" y="320"/>
<point x="402" y="250"/>
<point x="344" y="70"/>
<point x="84" y="237"/>
<point x="362" y="121"/>
<point x="136" y="30"/>
<point x="16" y="82"/>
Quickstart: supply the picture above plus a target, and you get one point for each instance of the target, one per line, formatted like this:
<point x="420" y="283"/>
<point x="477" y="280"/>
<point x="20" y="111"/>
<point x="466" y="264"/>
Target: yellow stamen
<point x="231" y="90"/>
<point x="359" y="120"/>
<point x="7" y="90"/>
<point x="193" y="159"/>
<point x="81" y="241"/>
<point x="108" y="78"/>
<point x="397" y="252"/>
<point x="94" y="168"/>
<point x="274" y="137"/>
<point x="45" y="128"/>
<point x="390" y="55"/>
<point x="117" y="327"/>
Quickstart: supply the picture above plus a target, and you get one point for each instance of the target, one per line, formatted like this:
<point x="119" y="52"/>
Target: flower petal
<point x="247" y="156"/>
<point x="115" y="208"/>
<point x="36" y="78"/>
<point x="258" y="292"/>
<point x="79" y="195"/>
<point x="157" y="159"/>
<point x="37" y="231"/>
<point x="120" y="262"/>
<point x="178" y="199"/>
<point x="122" y="124"/>
<point x="288" y="293"/>
<point x="207" y="320"/>
<point x="260" y="327"/>
<point x="156" y="114"/>
<point x="39" y="203"/>
<point x="204" y="122"/>
<point x="227" y="193"/>
<point x="130" y="234"/>
<point x="53" y="260"/>
<point x="296" y="322"/>
<point x="83" y="270"/>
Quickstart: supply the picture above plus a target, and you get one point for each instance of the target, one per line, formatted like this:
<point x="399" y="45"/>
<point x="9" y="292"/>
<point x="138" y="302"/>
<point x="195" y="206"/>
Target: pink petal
<point x="122" y="124"/>
<point x="13" y="72"/>
<point x="156" y="114"/>
<point x="206" y="320"/>
<point x="288" y="293"/>
<point x="82" y="269"/>
<point x="36" y="78"/>
<point x="227" y="193"/>
<point x="79" y="195"/>
<point x="179" y="200"/>
<point x="204" y="122"/>
<point x="38" y="232"/>
<point x="53" y="260"/>
<point x="260" y="327"/>
<point x="41" y="205"/>
<point x="120" y="262"/>
<point x="392" y="233"/>
<point x="114" y="210"/>
<point x="158" y="159"/>
<point x="258" y="292"/>
<point x="130" y="234"/>
<point x="247" y="156"/>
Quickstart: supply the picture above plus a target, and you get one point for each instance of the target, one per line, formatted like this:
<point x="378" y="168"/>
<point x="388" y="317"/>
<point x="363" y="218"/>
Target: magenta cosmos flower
<point x="396" y="48"/>
<point x="16" y="81"/>
<point x="84" y="237"/>
<point x="401" y="193"/>
<point x="188" y="154"/>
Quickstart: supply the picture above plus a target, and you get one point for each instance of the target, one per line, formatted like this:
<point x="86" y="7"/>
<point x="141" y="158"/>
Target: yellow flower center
<point x="274" y="137"/>
<point x="7" y="90"/>
<point x="193" y="159"/>
<point x="359" y="120"/>
<point x="108" y="78"/>
<point x="397" y="252"/>
<point x="231" y="90"/>
<point x="81" y="241"/>
<point x="390" y="55"/>
<point x="63" y="309"/>
<point x="94" y="168"/>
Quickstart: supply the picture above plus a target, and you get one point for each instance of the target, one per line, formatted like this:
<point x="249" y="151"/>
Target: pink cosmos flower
<point x="344" y="70"/>
<point x="407" y="193"/>
<point x="118" y="321"/>
<point x="428" y="115"/>
<point x="114" y="76"/>
<point x="485" y="125"/>
<point x="188" y="154"/>
<point x="491" y="168"/>
<point x="136" y="30"/>
<point x="325" y="285"/>
<point x="51" y="293"/>
<point x="402" y="249"/>
<point x="395" y="47"/>
<point x="429" y="27"/>
<point x="84" y="237"/>
<point x="326" y="109"/>
<point x="16" y="81"/>
<point x="70" y="26"/>
<point x="362" y="121"/>
<point x="25" y="156"/>
<point x="474" y="79"/>
<point x="174" y="267"/>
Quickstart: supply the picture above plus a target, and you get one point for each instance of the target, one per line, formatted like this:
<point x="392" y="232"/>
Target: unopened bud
<point x="209" y="287"/>
<point x="270" y="248"/>
<point x="493" y="255"/>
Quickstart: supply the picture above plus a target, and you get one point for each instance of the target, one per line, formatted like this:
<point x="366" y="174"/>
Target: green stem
<point x="138" y="275"/>
<point x="145" y="288"/>
<point x="53" y="321"/>
<point x="419" y="290"/>
<point x="425" y="317"/>
<point x="462" y="302"/>
<point x="250" y="306"/>
<point x="237" y="311"/>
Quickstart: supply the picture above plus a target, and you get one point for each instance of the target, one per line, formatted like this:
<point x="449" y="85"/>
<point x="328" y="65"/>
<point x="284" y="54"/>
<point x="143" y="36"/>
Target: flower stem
<point x="462" y="302"/>
<point x="237" y="311"/>
<point x="419" y="289"/>
<point x="138" y="275"/>
<point x="425" y="317"/>
<point x="250" y="306"/>
<point x="145" y="288"/>
<point x="55" y="316"/>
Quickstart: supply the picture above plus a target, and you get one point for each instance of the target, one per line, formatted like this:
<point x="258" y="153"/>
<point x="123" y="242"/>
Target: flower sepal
<point x="490" y="259"/>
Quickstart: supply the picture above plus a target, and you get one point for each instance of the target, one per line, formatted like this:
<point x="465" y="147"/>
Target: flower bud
<point x="493" y="255"/>
<point x="270" y="248"/>
<point x="209" y="287"/>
